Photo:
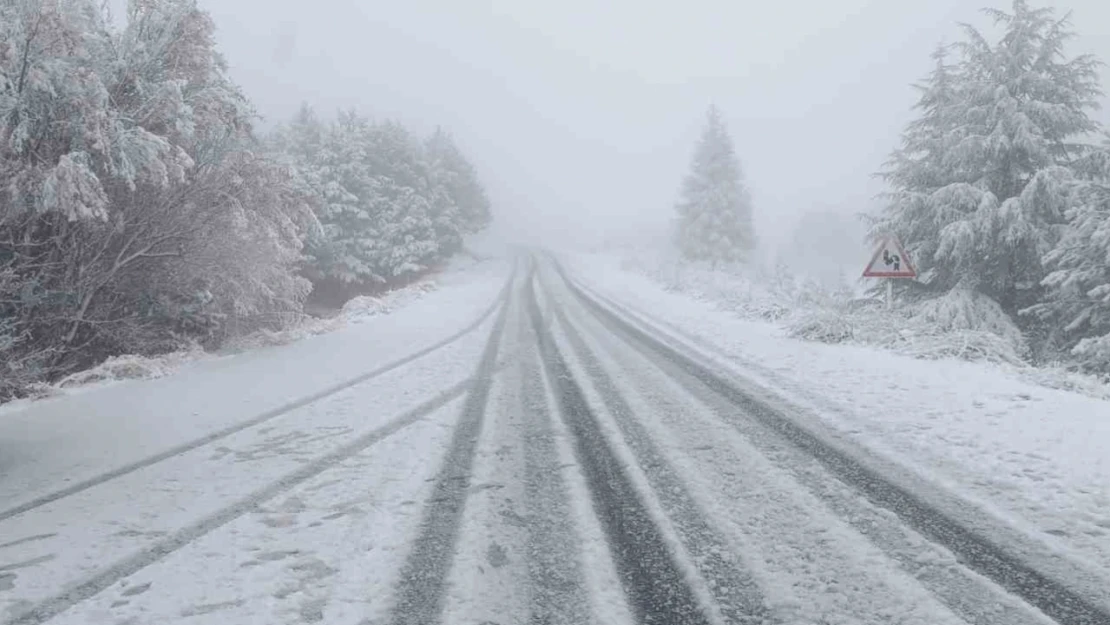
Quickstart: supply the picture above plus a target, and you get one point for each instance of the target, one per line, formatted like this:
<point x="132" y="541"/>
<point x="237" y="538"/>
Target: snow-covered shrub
<point x="1093" y="354"/>
<point x="1067" y="379"/>
<point x="962" y="325"/>
<point x="366" y="306"/>
<point x="932" y="343"/>
<point x="134" y="210"/>
<point x="307" y="326"/>
<point x="132" y="367"/>
<point x="964" y="313"/>
<point x="826" y="326"/>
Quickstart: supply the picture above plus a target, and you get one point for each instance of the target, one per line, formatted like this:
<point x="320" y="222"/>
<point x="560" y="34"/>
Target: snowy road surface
<point x="551" y="457"/>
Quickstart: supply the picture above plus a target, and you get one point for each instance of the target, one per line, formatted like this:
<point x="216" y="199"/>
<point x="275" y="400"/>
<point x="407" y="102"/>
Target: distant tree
<point x="715" y="211"/>
<point x="455" y="173"/>
<point x="389" y="206"/>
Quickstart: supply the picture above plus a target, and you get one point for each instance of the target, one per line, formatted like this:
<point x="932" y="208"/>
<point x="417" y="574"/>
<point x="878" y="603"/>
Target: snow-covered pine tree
<point x="346" y="251"/>
<point x="382" y="215"/>
<point x="402" y="202"/>
<point x="444" y="213"/>
<point x="458" y="177"/>
<point x="715" y="211"/>
<point x="917" y="169"/>
<point x="980" y="184"/>
<point x="1078" y="298"/>
<point x="1031" y="106"/>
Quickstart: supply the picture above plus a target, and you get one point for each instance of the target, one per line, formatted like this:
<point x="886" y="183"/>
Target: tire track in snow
<point x="655" y="587"/>
<point x="558" y="591"/>
<point x="751" y="458"/>
<point x="734" y="591"/>
<point x="973" y="550"/>
<point x="257" y="420"/>
<point x="423" y="579"/>
<point x="81" y="591"/>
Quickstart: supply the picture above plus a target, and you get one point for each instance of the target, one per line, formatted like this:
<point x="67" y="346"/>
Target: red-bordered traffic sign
<point x="890" y="261"/>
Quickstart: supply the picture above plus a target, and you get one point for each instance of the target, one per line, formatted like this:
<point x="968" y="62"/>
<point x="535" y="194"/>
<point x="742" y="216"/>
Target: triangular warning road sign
<point x="890" y="261"/>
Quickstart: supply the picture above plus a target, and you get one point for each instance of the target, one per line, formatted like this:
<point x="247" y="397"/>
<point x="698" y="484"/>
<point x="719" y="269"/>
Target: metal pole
<point x="889" y="293"/>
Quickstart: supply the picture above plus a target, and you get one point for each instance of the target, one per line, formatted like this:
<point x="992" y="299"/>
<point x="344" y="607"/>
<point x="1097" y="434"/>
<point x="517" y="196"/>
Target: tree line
<point x="999" y="191"/>
<point x="142" y="211"/>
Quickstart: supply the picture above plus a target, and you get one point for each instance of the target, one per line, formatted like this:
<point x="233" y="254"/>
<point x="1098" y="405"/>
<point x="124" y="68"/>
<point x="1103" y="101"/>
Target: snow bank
<point x="135" y="367"/>
<point x="361" y="308"/>
<point x="961" y="325"/>
<point x="87" y="430"/>
<point x="131" y="367"/>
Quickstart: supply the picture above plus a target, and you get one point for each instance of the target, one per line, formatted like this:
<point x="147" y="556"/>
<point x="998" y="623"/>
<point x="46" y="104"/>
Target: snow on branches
<point x="389" y="206"/>
<point x="140" y="214"/>
<point x="715" y="211"/>
<point x="988" y="190"/>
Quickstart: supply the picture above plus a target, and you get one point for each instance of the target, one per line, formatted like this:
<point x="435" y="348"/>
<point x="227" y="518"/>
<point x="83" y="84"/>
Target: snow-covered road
<point x="555" y="459"/>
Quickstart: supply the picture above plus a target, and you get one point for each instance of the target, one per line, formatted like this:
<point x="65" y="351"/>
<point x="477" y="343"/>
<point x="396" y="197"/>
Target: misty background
<point x="581" y="117"/>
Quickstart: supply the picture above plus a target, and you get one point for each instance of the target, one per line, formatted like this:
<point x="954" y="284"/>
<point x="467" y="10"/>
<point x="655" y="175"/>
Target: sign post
<point x="890" y="261"/>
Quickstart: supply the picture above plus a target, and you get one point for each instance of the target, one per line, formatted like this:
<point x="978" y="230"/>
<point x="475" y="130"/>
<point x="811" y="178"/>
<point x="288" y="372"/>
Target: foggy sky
<point x="581" y="115"/>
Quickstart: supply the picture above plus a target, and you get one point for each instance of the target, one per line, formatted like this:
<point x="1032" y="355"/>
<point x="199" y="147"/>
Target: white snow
<point x="327" y="551"/>
<point x="104" y="524"/>
<point x="1033" y="456"/>
<point x="637" y="474"/>
<point x="602" y="580"/>
<point x="489" y="576"/>
<point x="814" y="561"/>
<point x="47" y="444"/>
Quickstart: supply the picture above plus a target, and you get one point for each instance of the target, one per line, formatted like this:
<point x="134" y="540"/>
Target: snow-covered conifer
<point x="980" y="185"/>
<point x="458" y="177"/>
<point x="715" y="211"/>
<point x="1077" y="303"/>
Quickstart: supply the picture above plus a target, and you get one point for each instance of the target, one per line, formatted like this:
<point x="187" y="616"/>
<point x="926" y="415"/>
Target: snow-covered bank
<point x="1034" y="457"/>
<point x="46" y="443"/>
<point x="133" y="367"/>
<point x="838" y="311"/>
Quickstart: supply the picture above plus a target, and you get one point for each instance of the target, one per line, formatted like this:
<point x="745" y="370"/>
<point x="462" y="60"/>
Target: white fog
<point x="495" y="312"/>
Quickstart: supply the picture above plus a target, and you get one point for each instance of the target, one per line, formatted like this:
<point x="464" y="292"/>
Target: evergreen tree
<point x="917" y="169"/>
<point x="384" y="200"/>
<point x="457" y="176"/>
<point x="402" y="198"/>
<point x="346" y="251"/>
<point x="715" y="211"/>
<point x="1078" y="300"/>
<point x="982" y="180"/>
